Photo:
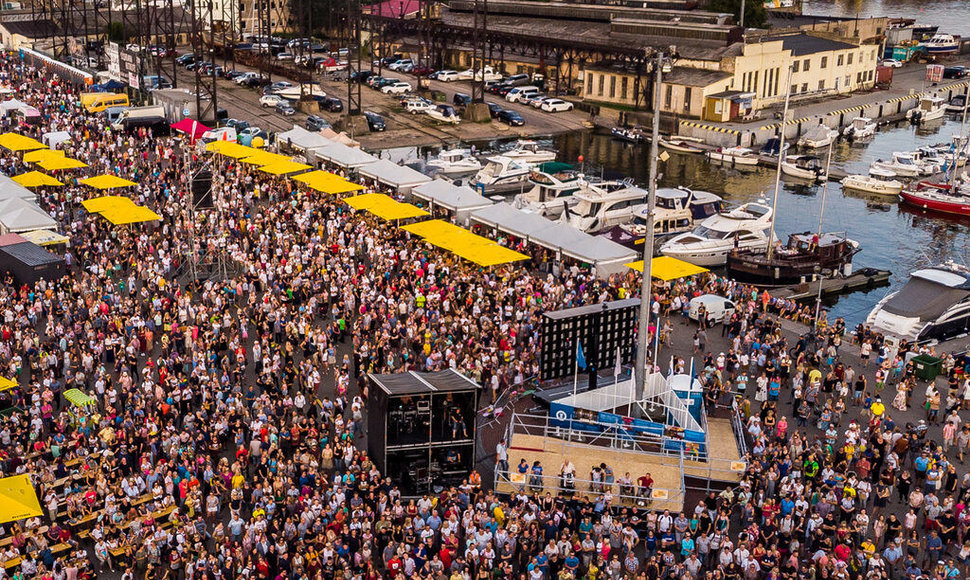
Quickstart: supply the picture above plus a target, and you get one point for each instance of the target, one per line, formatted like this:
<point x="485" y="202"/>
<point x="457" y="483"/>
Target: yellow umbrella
<point x="42" y="154"/>
<point x="6" y="384"/>
<point x="265" y="158"/>
<point x="284" y="167"/>
<point x="35" y="179"/>
<point x="18" y="142"/>
<point x="667" y="268"/>
<point x="18" y="500"/>
<point x="231" y="149"/>
<point x="59" y="163"/>
<point x="121" y="216"/>
<point x="107" y="182"/>
<point x="106" y="202"/>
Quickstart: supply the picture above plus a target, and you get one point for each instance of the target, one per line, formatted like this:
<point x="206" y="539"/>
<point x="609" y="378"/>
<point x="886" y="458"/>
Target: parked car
<point x="285" y="108"/>
<point x="185" y="59"/>
<point x="518" y="80"/>
<point x="494" y="109"/>
<point x="399" y="65"/>
<point x="316" y="123"/>
<point x="372" y="80"/>
<point x="244" y="78"/>
<point x="276" y="87"/>
<point x="362" y="76"/>
<point x="892" y="62"/>
<point x="251" y="81"/>
<point x="270" y="100"/>
<point x="446" y="75"/>
<point x="374" y="121"/>
<point x="232" y="74"/>
<point x="415" y="106"/>
<point x="519" y="93"/>
<point x="717" y="308"/>
<point x="556" y="106"/>
<point x="423" y="71"/>
<point x="384" y="82"/>
<point x="220" y="134"/>
<point x="237" y="124"/>
<point x="247" y="135"/>
<point x="534" y="101"/>
<point x="398" y="88"/>
<point x="511" y="118"/>
<point x="955" y="72"/>
<point x="461" y="100"/>
<point x="332" y="104"/>
<point x="444" y="114"/>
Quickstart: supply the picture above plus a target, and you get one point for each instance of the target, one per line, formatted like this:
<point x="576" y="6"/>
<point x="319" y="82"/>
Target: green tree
<point x="116" y="31"/>
<point x="755" y="13"/>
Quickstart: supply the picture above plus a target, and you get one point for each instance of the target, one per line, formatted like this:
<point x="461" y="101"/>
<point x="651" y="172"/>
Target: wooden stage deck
<point x="723" y="449"/>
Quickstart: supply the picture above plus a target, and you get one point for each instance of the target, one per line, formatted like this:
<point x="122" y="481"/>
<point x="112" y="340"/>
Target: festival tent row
<point x="463" y="243"/>
<point x="398" y="177"/>
<point x="384" y="207"/>
<point x="458" y="199"/>
<point x="327" y="182"/>
<point x="608" y="257"/>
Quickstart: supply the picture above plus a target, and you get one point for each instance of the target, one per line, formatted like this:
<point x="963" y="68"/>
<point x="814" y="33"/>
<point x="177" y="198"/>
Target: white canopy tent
<point x="400" y="177"/>
<point x="461" y="200"/>
<point x="55" y="138"/>
<point x="11" y="105"/>
<point x="20" y="215"/>
<point x="343" y="156"/>
<point x="302" y="140"/>
<point x="608" y="257"/>
<point x="11" y="189"/>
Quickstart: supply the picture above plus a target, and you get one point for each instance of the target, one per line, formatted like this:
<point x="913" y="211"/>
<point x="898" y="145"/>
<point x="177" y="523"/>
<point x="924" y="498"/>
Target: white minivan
<point x="518" y="93"/>
<point x="718" y="308"/>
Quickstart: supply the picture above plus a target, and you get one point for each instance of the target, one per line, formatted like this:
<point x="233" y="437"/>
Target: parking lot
<point x="403" y="129"/>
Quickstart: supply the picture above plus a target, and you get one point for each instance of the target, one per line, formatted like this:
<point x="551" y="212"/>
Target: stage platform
<point x="724" y="460"/>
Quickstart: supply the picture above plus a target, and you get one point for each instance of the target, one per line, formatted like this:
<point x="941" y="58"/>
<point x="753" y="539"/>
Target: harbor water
<point x="952" y="16"/>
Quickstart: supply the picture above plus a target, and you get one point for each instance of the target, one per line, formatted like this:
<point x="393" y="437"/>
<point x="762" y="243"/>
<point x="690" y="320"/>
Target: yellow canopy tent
<point x="18" y="500"/>
<point x="106" y="202"/>
<point x="284" y="167"/>
<point x="265" y="158"/>
<point x="312" y="178"/>
<point x="6" y="384"/>
<point x="42" y="154"/>
<point x="435" y="229"/>
<point x="384" y="207"/>
<point x="107" y="182"/>
<point x="463" y="243"/>
<point x="121" y="216"/>
<point x="45" y="237"/>
<point x="231" y="149"/>
<point x="18" y="142"/>
<point x="59" y="163"/>
<point x="35" y="179"/>
<point x="666" y="268"/>
<point x="328" y="182"/>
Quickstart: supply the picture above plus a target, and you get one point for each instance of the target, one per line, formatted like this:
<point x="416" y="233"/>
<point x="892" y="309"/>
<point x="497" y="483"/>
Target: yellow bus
<point x="97" y="102"/>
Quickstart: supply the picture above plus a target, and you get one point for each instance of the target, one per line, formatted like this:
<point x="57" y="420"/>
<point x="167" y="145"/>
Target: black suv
<point x="315" y="123"/>
<point x="332" y="104"/>
<point x="374" y="121"/>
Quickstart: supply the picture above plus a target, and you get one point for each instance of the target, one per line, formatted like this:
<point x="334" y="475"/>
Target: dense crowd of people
<point x="224" y="435"/>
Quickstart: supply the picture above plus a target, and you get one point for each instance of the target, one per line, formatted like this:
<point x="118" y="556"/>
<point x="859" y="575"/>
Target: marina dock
<point x="865" y="278"/>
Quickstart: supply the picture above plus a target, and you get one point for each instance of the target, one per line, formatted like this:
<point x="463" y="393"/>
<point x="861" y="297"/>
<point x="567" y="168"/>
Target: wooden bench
<point x="55" y="550"/>
<point x="6" y="541"/>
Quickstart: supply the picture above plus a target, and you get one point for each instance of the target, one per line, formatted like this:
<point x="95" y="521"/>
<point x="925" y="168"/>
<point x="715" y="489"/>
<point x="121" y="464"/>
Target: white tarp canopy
<point x="608" y="257"/>
<point x="346" y="157"/>
<point x="10" y="189"/>
<point x="11" y="105"/>
<point x="460" y="199"/>
<point x="400" y="177"/>
<point x="20" y="215"/>
<point x="302" y="140"/>
<point x="55" y="138"/>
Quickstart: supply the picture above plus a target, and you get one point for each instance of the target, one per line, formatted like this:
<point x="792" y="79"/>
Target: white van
<point x="516" y="94"/>
<point x="718" y="308"/>
<point x="220" y="134"/>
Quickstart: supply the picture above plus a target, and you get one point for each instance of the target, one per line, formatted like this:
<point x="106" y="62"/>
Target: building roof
<point x="415" y="383"/>
<point x="30" y="254"/>
<point x="804" y="44"/>
<point x="694" y="77"/>
<point x="31" y="28"/>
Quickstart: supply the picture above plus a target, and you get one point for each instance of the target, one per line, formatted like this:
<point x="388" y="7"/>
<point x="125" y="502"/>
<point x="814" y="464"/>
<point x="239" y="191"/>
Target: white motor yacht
<point x="455" y="161"/>
<point x="553" y="186"/>
<point x="941" y="44"/>
<point x="501" y="174"/>
<point x="601" y="206"/>
<point x="529" y="152"/>
<point x="860" y="128"/>
<point x="709" y="244"/>
<point x="818" y="137"/>
<point x="878" y="181"/>
<point x="678" y="210"/>
<point x="803" y="167"/>
<point x="734" y="156"/>
<point x="929" y="109"/>
<point x="902" y="164"/>
<point x="934" y="304"/>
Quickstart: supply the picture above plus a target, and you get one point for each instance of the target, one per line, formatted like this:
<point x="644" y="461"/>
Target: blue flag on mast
<point x="580" y="359"/>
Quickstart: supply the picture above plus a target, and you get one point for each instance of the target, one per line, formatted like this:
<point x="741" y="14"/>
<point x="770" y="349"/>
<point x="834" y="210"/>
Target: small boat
<point x="902" y="164"/>
<point x="734" y="156"/>
<point x="455" y="161"/>
<point x="807" y="257"/>
<point x="878" y="181"/>
<point x="803" y="167"/>
<point x="860" y="128"/>
<point x="501" y="174"/>
<point x="604" y="205"/>
<point x="710" y="242"/>
<point x="934" y="304"/>
<point x="937" y="197"/>
<point x="772" y="147"/>
<point x="929" y="109"/>
<point x="553" y="186"/>
<point x="678" y="210"/>
<point x="956" y="104"/>
<point x="941" y="44"/>
<point x="818" y="137"/>
<point x="529" y="152"/>
<point x="682" y="144"/>
<point x="630" y="134"/>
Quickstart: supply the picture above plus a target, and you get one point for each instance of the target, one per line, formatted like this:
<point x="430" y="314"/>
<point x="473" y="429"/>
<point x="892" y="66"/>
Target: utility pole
<point x="646" y="293"/>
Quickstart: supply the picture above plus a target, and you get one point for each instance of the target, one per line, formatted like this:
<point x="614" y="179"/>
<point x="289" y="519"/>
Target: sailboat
<point x="807" y="256"/>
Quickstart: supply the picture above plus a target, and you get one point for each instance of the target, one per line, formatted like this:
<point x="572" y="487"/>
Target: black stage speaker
<point x="202" y="189"/>
<point x="601" y="329"/>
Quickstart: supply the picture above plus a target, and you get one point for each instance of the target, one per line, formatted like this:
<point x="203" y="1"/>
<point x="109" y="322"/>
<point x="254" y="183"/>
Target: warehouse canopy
<point x="55" y="138"/>
<point x="18" y="142"/>
<point x="394" y="175"/>
<point x="45" y="237"/>
<point x="452" y="197"/>
<point x="607" y="256"/>
<point x="463" y="243"/>
<point x="384" y="207"/>
<point x="284" y="167"/>
<point x="344" y="156"/>
<point x="107" y="182"/>
<point x="415" y="383"/>
<point x="36" y="179"/>
<point x="42" y="154"/>
<point x="301" y="139"/>
<point x="666" y="268"/>
<point x="18" y="499"/>
<point x="327" y="182"/>
<point x="20" y="215"/>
